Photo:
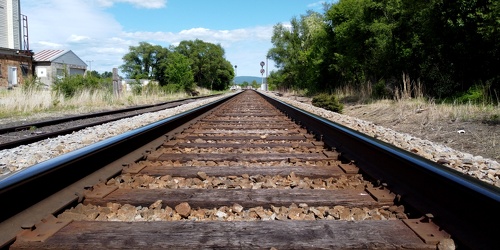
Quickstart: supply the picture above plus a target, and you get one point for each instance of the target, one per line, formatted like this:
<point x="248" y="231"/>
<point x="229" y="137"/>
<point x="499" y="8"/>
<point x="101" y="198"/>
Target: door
<point x="12" y="76"/>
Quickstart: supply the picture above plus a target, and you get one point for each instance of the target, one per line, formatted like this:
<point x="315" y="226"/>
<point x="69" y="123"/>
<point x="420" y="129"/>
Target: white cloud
<point x="50" y="45"/>
<point x="224" y="37"/>
<point x="85" y="28"/>
<point x="77" y="38"/>
<point x="147" y="4"/>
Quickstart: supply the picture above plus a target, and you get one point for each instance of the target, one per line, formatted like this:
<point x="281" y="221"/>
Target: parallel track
<point x="38" y="132"/>
<point x="244" y="176"/>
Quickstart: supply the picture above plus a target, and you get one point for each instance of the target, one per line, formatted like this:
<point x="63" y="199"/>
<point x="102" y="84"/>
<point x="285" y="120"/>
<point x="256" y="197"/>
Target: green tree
<point x="178" y="71"/>
<point x="210" y="68"/>
<point x="255" y="85"/>
<point x="298" y="52"/>
<point x="107" y="74"/>
<point x="93" y="73"/>
<point x="146" y="61"/>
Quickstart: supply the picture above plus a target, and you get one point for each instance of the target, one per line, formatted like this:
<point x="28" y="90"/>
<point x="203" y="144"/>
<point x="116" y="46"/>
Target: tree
<point x="210" y="68"/>
<point x="299" y="51"/>
<point x="93" y="73"/>
<point x="178" y="71"/>
<point x="146" y="61"/>
<point x="107" y="74"/>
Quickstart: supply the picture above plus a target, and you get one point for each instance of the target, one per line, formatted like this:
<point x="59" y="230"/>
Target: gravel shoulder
<point x="474" y="137"/>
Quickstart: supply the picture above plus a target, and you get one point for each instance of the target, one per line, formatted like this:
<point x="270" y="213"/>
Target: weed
<point x="328" y="102"/>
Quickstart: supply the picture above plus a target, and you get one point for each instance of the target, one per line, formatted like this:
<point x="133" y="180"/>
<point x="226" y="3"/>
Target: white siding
<point x="10" y="24"/>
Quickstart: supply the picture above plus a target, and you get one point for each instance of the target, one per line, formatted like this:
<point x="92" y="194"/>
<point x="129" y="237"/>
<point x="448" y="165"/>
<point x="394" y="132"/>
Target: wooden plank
<point x="231" y="235"/>
<point x="234" y="130"/>
<point x="239" y="145"/>
<point x="236" y="157"/>
<point x="246" y="126"/>
<point x="250" y="114"/>
<point x="214" y="198"/>
<point x="278" y="120"/>
<point x="192" y="171"/>
<point x="248" y="137"/>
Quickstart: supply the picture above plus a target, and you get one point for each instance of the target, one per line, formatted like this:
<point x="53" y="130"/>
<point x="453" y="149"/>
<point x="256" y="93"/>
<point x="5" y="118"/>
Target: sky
<point x="100" y="32"/>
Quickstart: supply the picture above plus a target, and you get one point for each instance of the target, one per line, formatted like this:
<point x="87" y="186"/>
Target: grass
<point x="20" y="104"/>
<point x="410" y="97"/>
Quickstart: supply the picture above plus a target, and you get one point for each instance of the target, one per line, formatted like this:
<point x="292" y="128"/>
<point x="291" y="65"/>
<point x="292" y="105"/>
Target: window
<point x="25" y="69"/>
<point x="60" y="73"/>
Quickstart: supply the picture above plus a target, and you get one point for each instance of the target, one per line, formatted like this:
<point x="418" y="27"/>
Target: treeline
<point x="180" y="67"/>
<point x="451" y="47"/>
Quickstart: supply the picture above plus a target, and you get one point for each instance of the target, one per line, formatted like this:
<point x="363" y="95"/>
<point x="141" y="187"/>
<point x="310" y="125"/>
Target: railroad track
<point x="239" y="173"/>
<point x="26" y="133"/>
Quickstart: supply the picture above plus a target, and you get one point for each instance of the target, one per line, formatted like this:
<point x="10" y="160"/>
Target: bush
<point x="70" y="85"/>
<point x="328" y="102"/>
<point x="381" y="91"/>
<point x="172" y="88"/>
<point x="475" y="95"/>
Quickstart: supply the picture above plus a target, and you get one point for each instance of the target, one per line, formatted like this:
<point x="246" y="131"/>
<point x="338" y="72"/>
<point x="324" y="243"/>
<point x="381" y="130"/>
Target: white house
<point x="50" y="64"/>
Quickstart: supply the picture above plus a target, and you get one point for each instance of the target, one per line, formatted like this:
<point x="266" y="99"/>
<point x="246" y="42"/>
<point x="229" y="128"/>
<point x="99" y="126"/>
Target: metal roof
<point x="48" y="55"/>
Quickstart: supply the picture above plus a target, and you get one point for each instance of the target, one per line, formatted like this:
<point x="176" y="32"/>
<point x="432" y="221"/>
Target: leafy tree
<point x="146" y="61"/>
<point x="107" y="74"/>
<point x="255" y="85"/>
<point x="450" y="46"/>
<point x="210" y="68"/>
<point x="178" y="71"/>
<point x="93" y="73"/>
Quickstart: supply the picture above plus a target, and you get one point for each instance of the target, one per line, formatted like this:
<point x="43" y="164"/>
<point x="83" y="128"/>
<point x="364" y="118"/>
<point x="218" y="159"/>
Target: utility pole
<point x="90" y="65"/>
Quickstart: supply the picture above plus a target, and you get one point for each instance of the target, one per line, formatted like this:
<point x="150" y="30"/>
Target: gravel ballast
<point x="17" y="159"/>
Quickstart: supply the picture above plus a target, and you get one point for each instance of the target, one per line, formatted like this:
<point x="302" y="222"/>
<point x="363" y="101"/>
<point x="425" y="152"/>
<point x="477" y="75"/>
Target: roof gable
<point x="48" y="55"/>
<point x="59" y="56"/>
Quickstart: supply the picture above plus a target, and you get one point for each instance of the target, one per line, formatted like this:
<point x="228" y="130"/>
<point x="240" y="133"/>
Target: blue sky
<point x="101" y="31"/>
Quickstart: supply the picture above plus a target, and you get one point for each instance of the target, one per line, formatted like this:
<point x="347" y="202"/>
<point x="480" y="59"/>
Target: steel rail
<point x="31" y="185"/>
<point x="453" y="198"/>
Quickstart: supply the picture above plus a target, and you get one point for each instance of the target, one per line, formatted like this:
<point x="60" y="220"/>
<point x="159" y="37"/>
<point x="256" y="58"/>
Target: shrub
<point x="328" y="102"/>
<point x="172" y="88"/>
<point x="381" y="91"/>
<point x="475" y="95"/>
<point x="70" y="85"/>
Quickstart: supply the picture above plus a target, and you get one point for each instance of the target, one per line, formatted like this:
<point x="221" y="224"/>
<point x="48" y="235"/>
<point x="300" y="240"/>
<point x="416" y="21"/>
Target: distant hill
<point x="249" y="79"/>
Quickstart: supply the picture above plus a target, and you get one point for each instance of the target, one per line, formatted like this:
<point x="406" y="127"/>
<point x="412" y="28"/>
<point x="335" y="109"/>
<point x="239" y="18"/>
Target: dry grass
<point x="16" y="103"/>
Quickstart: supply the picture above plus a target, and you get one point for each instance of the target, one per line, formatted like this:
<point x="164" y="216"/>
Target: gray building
<point x="10" y="24"/>
<point x="51" y="64"/>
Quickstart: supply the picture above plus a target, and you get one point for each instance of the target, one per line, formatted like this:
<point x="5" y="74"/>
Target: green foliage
<point x="245" y="84"/>
<point x="475" y="95"/>
<point x="178" y="72"/>
<point x="210" y="69"/>
<point x="187" y="65"/>
<point x="355" y="42"/>
<point x="146" y="61"/>
<point x="172" y="88"/>
<point x="381" y="91"/>
<point x="136" y="87"/>
<point x="328" y="102"/>
<point x="70" y="85"/>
